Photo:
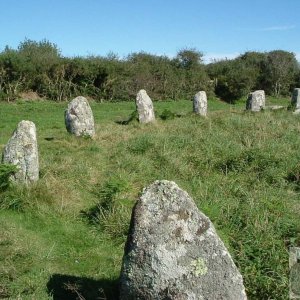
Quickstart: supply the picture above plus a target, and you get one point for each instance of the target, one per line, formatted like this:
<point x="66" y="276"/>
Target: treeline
<point x="39" y="67"/>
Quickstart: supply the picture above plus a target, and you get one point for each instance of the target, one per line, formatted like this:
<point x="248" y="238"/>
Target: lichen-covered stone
<point x="200" y="103"/>
<point x="79" y="117"/>
<point x="144" y="107"/>
<point x="22" y="151"/>
<point x="256" y="101"/>
<point x="296" y="98"/>
<point x="174" y="252"/>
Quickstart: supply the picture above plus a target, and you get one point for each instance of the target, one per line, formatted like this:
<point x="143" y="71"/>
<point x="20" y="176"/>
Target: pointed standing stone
<point x="256" y="101"/>
<point x="22" y="151"/>
<point x="144" y="107"/>
<point x="79" y="117"/>
<point x="200" y="103"/>
<point x="296" y="98"/>
<point x="174" y="252"/>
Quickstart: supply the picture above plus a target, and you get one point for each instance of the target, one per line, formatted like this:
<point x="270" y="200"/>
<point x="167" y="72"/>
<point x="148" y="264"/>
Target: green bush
<point x="167" y="115"/>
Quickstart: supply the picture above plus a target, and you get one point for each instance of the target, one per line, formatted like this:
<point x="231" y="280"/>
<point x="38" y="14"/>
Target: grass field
<point x="63" y="237"/>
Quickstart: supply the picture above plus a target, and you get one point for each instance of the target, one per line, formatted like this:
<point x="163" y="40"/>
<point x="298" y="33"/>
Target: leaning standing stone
<point x="200" y="103"/>
<point x="144" y="107"/>
<point x="79" y="118"/>
<point x="22" y="151"/>
<point x="256" y="101"/>
<point x="296" y="98"/>
<point x="174" y="252"/>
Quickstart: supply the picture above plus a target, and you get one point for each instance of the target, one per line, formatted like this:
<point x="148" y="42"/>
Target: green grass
<point x="63" y="237"/>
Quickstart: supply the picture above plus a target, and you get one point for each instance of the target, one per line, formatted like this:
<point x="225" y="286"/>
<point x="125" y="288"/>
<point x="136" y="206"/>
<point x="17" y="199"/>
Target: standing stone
<point x="79" y="117"/>
<point x="144" y="107"/>
<point x="296" y="98"/>
<point x="256" y="101"/>
<point x="22" y="151"/>
<point x="200" y="103"/>
<point x="174" y="252"/>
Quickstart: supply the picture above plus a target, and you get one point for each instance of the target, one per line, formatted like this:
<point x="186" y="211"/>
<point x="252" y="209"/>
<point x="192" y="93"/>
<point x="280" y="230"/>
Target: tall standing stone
<point x="144" y="107"/>
<point x="174" y="252"/>
<point x="296" y="98"/>
<point x="22" y="151"/>
<point x="256" y="101"/>
<point x="200" y="103"/>
<point x="79" y="117"/>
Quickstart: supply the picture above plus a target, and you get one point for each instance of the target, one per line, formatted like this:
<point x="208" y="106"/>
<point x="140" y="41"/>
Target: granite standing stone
<point x="174" y="252"/>
<point x="79" y="117"/>
<point x="22" y="151"/>
<point x="256" y="101"/>
<point x="200" y="103"/>
<point x="144" y="107"/>
<point x="296" y="98"/>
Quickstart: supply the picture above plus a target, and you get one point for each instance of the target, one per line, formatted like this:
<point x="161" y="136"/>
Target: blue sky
<point x="218" y="28"/>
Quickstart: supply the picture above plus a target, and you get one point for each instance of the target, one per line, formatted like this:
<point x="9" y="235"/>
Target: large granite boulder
<point x="256" y="101"/>
<point x="174" y="252"/>
<point x="79" y="117"/>
<point x="200" y="103"/>
<point x="144" y="107"/>
<point x="296" y="98"/>
<point x="22" y="151"/>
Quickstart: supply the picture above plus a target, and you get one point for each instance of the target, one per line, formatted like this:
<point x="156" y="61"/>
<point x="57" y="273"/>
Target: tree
<point x="13" y="77"/>
<point x="280" y="71"/>
<point x="233" y="79"/>
<point x="189" y="58"/>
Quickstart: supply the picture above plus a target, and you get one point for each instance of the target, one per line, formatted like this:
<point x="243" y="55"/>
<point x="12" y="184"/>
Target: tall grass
<point x="63" y="237"/>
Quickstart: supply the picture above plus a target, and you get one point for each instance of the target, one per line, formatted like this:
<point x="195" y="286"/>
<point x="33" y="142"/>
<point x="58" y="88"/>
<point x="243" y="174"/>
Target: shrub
<point x="167" y="115"/>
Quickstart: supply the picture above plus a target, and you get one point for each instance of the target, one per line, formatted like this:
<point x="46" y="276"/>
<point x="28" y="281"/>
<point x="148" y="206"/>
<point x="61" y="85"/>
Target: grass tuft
<point x="6" y="171"/>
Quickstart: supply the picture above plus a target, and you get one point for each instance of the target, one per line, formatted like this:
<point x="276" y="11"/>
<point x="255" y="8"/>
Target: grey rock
<point x="296" y="112"/>
<point x="200" y="103"/>
<point x="256" y="101"/>
<point x="296" y="98"/>
<point x="274" y="107"/>
<point x="144" y="107"/>
<point x="79" y="117"/>
<point x="294" y="264"/>
<point x="174" y="252"/>
<point x="22" y="151"/>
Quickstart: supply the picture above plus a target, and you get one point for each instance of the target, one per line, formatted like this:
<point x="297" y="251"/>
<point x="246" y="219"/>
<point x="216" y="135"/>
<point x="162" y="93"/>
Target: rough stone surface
<point x="274" y="107"/>
<point x="144" y="107"/>
<point x="296" y="98"/>
<point x="174" y="252"/>
<point x="22" y="150"/>
<point x="79" y="117"/>
<point x="200" y="103"/>
<point x="296" y="112"/>
<point x="256" y="101"/>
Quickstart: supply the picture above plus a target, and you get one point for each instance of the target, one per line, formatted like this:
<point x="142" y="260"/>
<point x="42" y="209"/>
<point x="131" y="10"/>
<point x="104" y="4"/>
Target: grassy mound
<point x="63" y="237"/>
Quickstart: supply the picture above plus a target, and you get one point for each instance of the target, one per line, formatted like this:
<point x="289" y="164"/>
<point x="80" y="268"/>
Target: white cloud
<point x="278" y="28"/>
<point x="298" y="56"/>
<point x="211" y="57"/>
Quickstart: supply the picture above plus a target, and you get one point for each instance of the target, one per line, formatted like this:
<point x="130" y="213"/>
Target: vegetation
<point x="274" y="72"/>
<point x="63" y="237"/>
<point x="38" y="69"/>
<point x="6" y="171"/>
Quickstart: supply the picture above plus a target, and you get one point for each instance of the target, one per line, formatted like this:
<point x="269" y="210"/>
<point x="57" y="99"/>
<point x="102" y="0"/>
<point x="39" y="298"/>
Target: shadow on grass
<point x="132" y="118"/>
<point x="67" y="287"/>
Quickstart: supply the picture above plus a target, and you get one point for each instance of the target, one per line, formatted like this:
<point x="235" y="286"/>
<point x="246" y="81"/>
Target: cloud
<point x="297" y="56"/>
<point x="278" y="28"/>
<point x="210" y="57"/>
